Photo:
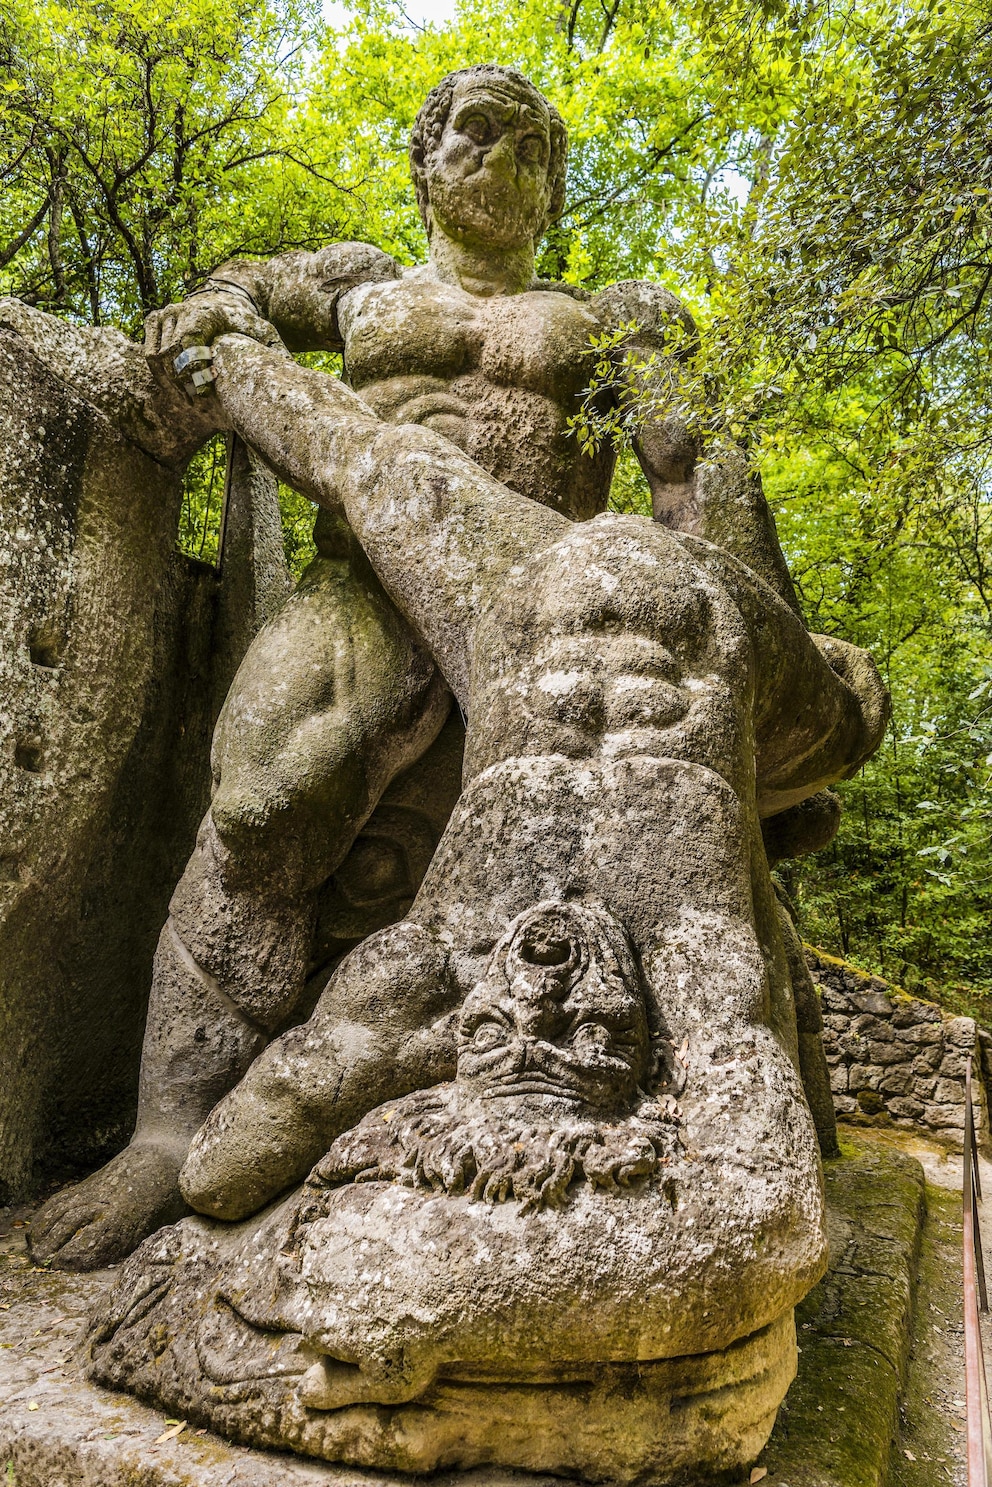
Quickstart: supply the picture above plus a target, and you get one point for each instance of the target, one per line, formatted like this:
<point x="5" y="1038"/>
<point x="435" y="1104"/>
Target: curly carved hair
<point x="430" y="121"/>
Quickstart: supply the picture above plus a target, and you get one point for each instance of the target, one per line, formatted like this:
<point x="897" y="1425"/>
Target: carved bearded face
<point x="488" y="178"/>
<point x="559" y="1014"/>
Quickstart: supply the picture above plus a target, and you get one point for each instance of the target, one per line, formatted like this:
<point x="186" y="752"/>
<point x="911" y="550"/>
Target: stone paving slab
<point x="835" y="1430"/>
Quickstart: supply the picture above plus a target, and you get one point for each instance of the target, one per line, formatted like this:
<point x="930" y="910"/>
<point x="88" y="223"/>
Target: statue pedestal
<point x="854" y="1332"/>
<point x="58" y="1429"/>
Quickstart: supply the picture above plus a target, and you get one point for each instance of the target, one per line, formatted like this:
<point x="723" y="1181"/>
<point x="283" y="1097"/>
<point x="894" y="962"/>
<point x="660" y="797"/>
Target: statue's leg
<point x="333" y="700"/>
<point x="384" y="1026"/>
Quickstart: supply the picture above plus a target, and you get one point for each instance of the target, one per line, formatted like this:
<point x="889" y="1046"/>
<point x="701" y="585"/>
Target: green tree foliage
<point x="813" y="179"/>
<point x="145" y="142"/>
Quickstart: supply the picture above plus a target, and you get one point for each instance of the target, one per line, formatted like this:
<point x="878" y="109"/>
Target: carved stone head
<point x="487" y="155"/>
<point x="560" y="1013"/>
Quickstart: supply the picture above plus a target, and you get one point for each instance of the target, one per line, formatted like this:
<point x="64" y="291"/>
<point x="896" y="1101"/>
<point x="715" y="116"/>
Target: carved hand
<point x="198" y="321"/>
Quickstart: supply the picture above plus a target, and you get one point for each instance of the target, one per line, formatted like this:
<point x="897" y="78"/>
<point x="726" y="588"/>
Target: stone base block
<point x="57" y="1430"/>
<point x="656" y="1423"/>
<point x="835" y="1430"/>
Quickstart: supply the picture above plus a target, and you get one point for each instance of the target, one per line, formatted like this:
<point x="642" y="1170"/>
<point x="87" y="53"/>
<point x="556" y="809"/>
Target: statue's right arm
<point x="437" y="528"/>
<point x="290" y="300"/>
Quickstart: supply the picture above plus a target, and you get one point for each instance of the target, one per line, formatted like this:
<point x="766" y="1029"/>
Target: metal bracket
<point x="199" y="359"/>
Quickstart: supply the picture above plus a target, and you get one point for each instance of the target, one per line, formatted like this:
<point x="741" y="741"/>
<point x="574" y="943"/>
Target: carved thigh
<point x="333" y="699"/>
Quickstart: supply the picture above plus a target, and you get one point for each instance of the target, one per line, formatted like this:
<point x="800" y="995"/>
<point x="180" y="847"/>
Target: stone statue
<point x="583" y="1254"/>
<point x="337" y="757"/>
<point x="535" y="1185"/>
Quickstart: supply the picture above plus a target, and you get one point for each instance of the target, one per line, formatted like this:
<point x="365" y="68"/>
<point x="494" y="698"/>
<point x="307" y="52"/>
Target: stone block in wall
<point x="911" y="1012"/>
<point x="893" y="1057"/>
<point x="871" y="1001"/>
<point x="861" y="1076"/>
<point x="924" y="1034"/>
<point x="961" y="1032"/>
<point x="885" y="1053"/>
<point x="954" y="1064"/>
<point x="897" y="1082"/>
<point x="835" y="1022"/>
<point x="906" y="1108"/>
<point x="928" y="1060"/>
<point x="866" y="1024"/>
<point x="834" y="1001"/>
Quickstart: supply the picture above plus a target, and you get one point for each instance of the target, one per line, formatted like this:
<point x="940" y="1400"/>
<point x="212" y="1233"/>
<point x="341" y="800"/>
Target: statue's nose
<point x="502" y="155"/>
<point x="538" y="1017"/>
<point x="530" y="1048"/>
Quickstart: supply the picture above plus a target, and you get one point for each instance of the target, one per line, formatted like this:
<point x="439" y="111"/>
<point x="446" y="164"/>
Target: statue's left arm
<point x="711" y="493"/>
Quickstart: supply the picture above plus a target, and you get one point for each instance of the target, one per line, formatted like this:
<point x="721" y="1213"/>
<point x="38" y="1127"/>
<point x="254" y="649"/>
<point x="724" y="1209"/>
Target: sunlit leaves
<point x="813" y="180"/>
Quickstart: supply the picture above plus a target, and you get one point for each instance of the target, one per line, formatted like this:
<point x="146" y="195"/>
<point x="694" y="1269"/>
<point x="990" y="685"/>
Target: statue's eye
<point x="488" y="1035"/>
<point x="478" y="128"/>
<point x="592" y="1037"/>
<point x="530" y="149"/>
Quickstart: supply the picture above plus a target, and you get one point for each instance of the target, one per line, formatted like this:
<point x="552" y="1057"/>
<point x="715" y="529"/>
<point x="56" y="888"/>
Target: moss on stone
<point x="931" y="1443"/>
<point x="841" y="1415"/>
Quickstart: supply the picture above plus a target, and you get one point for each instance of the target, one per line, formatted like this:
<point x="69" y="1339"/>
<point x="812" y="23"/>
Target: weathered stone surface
<point x="891" y="1064"/>
<point x="113" y="649"/>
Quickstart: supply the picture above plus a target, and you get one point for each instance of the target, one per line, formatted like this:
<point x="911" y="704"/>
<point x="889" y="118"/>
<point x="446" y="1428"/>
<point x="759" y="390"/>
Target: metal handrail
<point x="975" y="1297"/>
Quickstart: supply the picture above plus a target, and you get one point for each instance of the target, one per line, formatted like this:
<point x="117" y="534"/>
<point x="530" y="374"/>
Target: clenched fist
<point x="198" y="321"/>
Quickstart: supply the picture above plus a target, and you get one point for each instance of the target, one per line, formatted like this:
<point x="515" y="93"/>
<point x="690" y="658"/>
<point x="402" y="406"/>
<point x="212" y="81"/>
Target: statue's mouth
<point x="534" y="1084"/>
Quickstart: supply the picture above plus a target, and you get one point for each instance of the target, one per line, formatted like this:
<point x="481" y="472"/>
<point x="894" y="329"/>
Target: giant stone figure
<point x="561" y="1188"/>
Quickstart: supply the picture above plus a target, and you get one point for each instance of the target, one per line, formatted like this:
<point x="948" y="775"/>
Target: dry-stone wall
<point x="895" y="1058"/>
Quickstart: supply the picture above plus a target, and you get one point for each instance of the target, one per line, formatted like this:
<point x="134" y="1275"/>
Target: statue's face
<point x="488" y="178"/>
<point x="556" y="1015"/>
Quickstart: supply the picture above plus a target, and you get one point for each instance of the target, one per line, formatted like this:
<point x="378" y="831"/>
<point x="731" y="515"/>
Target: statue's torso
<point x="499" y="376"/>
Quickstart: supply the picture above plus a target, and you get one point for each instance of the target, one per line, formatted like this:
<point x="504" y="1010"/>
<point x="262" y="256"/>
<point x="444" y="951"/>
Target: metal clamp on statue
<point x="199" y="358"/>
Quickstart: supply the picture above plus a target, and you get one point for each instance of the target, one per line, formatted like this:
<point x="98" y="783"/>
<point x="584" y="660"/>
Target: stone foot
<point x="101" y="1220"/>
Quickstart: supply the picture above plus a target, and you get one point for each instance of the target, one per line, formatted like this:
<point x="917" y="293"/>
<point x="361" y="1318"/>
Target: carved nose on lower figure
<point x="330" y="1384"/>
